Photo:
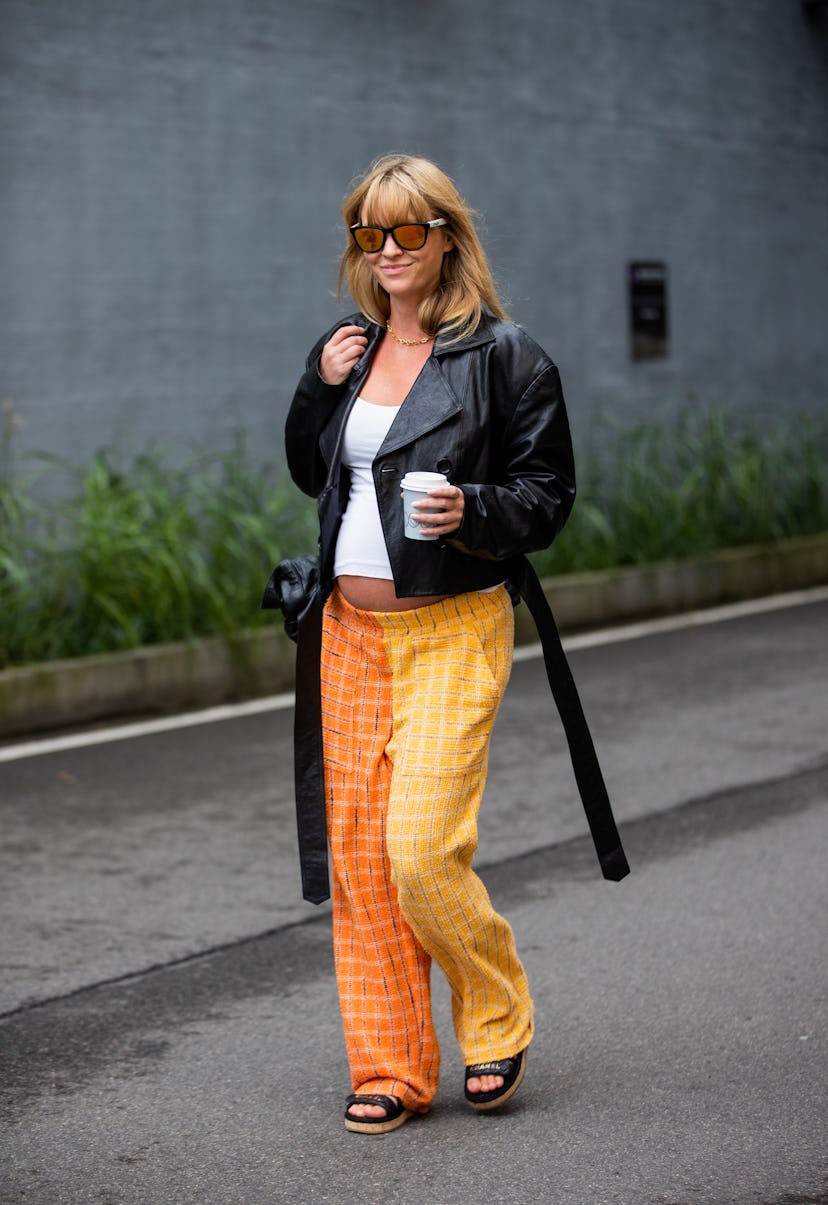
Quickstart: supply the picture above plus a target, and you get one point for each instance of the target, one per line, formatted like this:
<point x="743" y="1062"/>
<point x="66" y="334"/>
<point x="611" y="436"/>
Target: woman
<point x="416" y="635"/>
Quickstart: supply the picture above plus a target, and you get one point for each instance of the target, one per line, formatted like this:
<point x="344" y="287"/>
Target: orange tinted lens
<point x="369" y="238"/>
<point x="410" y="238"/>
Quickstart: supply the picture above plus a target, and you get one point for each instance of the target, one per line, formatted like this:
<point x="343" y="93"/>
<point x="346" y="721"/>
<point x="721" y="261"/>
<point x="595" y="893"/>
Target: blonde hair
<point x="395" y="189"/>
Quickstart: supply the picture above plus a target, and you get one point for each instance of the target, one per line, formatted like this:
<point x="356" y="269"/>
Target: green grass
<point x="659" y="491"/>
<point x="141" y="552"/>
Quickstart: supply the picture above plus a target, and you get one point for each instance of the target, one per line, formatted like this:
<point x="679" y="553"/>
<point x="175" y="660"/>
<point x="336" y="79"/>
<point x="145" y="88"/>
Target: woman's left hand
<point x="442" y="508"/>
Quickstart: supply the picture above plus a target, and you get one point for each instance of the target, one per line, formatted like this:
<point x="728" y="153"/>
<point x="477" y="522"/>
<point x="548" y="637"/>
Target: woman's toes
<point x="485" y="1083"/>
<point x="374" y="1111"/>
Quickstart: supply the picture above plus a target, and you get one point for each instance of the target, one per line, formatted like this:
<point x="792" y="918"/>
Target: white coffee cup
<point x="415" y="486"/>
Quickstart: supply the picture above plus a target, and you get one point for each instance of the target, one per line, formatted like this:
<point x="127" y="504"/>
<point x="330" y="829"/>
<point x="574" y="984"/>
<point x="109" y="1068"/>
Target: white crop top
<point x="360" y="546"/>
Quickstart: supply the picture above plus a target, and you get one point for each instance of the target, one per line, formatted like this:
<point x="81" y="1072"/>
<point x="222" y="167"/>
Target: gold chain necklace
<point x="406" y="342"/>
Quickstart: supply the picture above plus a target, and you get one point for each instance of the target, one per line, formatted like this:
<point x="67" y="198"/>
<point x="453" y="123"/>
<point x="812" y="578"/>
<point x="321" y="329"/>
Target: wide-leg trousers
<point x="409" y="700"/>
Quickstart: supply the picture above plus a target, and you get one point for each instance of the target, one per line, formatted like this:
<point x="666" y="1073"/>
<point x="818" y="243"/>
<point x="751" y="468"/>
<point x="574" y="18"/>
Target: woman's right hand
<point x="341" y="353"/>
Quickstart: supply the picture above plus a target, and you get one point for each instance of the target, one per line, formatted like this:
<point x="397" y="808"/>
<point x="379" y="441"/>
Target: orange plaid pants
<point x="409" y="701"/>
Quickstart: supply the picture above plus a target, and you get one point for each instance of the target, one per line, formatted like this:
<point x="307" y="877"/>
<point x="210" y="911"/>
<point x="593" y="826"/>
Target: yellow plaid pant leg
<point x="383" y="972"/>
<point x="450" y="664"/>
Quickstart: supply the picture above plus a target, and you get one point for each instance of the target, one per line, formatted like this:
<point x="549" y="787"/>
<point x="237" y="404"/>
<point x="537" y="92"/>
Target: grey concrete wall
<point x="171" y="175"/>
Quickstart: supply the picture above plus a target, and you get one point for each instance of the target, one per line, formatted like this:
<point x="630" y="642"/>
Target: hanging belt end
<point x="614" y="865"/>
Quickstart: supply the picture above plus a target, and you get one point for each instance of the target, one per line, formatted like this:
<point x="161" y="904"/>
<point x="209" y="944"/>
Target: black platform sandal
<point x="512" y="1071"/>
<point x="396" y="1114"/>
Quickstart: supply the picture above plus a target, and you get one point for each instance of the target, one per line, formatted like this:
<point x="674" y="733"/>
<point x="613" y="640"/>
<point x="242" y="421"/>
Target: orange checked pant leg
<point x="409" y="700"/>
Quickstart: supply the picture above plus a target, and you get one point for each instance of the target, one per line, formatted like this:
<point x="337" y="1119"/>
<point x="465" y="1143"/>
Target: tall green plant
<point x="142" y="552"/>
<point x="659" y="491"/>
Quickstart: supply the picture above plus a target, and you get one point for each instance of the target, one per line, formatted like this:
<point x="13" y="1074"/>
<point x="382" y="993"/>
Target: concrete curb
<point x="202" y="673"/>
<point x="585" y="600"/>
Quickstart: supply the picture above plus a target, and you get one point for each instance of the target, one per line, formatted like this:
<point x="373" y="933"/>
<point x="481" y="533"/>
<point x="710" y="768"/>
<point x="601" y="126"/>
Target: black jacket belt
<point x="588" y="774"/>
<point x="309" y="771"/>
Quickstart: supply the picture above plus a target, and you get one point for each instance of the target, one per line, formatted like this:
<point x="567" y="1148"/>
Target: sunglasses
<point x="409" y="236"/>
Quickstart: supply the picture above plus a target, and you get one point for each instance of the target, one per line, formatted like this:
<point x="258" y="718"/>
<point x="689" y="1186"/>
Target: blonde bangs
<point x="389" y="201"/>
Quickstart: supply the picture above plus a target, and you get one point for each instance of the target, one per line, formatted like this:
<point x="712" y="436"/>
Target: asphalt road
<point x="170" y="1028"/>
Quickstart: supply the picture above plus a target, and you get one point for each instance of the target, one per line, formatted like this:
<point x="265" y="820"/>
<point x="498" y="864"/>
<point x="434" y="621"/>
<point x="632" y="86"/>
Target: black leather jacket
<point x="488" y="412"/>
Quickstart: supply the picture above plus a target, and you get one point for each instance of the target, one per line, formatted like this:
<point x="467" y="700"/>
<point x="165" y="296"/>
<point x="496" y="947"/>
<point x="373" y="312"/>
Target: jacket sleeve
<point x="313" y="404"/>
<point x="528" y="506"/>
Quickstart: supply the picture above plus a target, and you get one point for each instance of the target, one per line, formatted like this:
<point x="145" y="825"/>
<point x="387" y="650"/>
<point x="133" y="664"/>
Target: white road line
<point x="686" y="619"/>
<point x="124" y="732"/>
<point x="587" y="640"/>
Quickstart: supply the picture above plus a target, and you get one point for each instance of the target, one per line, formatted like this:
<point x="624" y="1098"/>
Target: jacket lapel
<point x="482" y="333"/>
<point x="330" y="441"/>
<point x="430" y="402"/>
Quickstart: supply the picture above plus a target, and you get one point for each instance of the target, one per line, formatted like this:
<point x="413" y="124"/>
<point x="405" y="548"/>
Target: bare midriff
<point x="377" y="594"/>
